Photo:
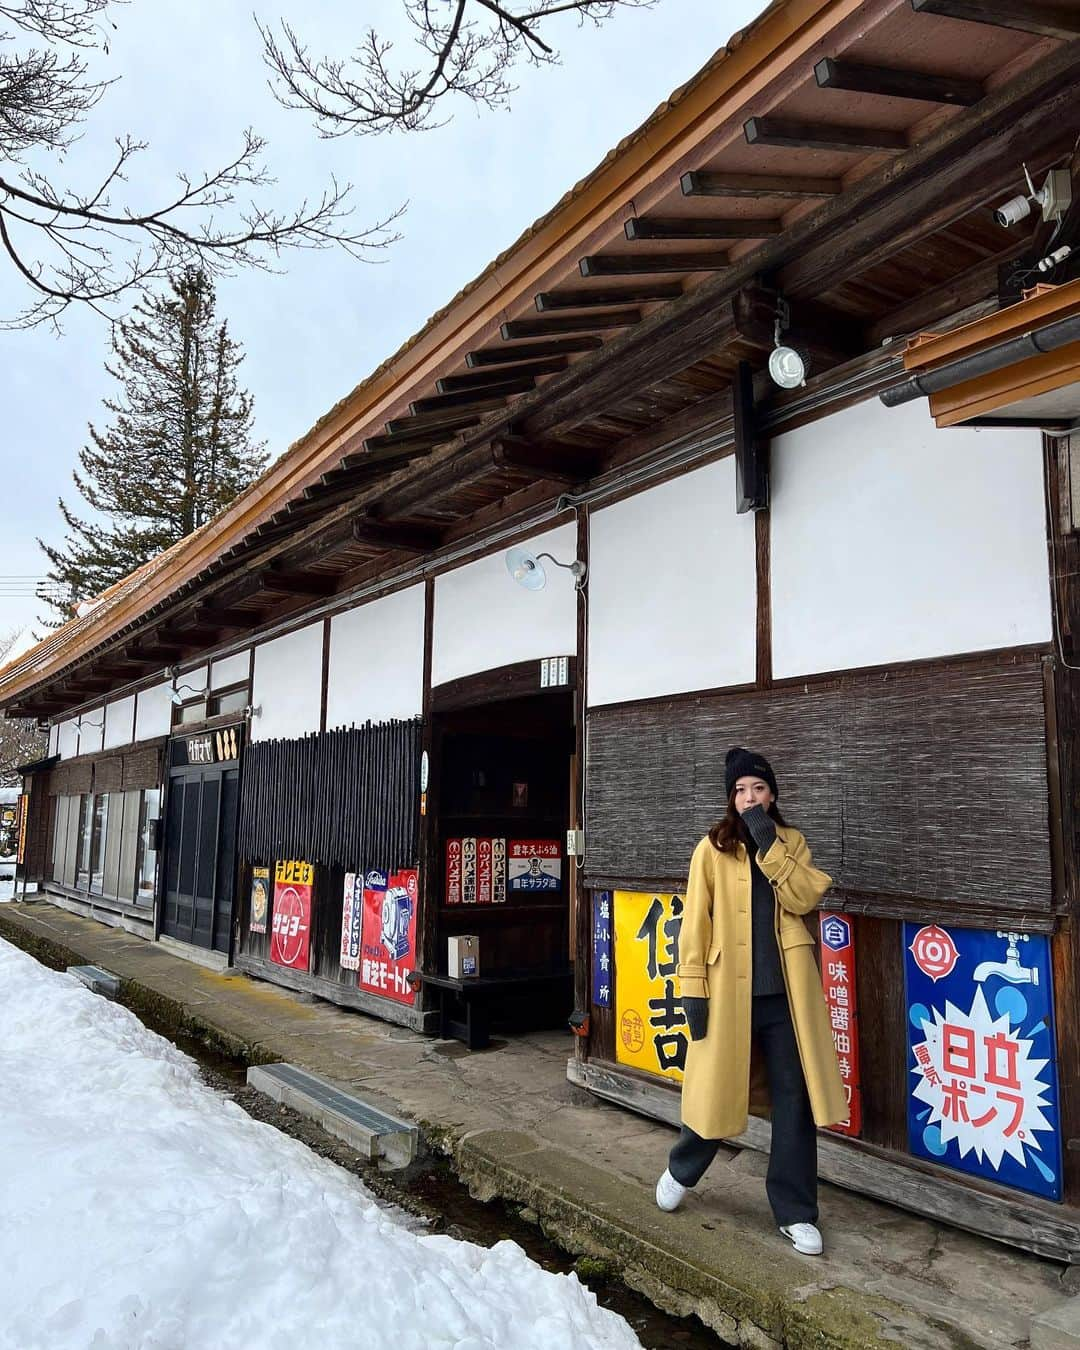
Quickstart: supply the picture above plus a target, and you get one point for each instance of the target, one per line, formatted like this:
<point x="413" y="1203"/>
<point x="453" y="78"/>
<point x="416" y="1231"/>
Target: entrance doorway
<point x="504" y="779"/>
<point x="200" y="839"/>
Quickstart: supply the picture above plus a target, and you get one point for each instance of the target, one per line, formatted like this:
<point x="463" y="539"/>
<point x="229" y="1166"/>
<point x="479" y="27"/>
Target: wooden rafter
<point x="785" y="131"/>
<point x="529" y="351"/>
<point x="419" y="442"/>
<point x="703" y="183"/>
<point x="606" y="297"/>
<point x="631" y="264"/>
<point x="662" y="227"/>
<point x="464" y="398"/>
<point x="481" y="379"/>
<point x="855" y="77"/>
<point x="569" y="323"/>
<point x="1055" y="21"/>
<point x="449" y="420"/>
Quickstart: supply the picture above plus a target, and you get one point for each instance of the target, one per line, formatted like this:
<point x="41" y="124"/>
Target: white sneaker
<point x="669" y="1192"/>
<point x="804" y="1237"/>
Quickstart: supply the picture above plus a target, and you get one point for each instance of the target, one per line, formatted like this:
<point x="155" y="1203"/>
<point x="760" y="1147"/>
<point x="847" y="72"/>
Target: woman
<point x="748" y="975"/>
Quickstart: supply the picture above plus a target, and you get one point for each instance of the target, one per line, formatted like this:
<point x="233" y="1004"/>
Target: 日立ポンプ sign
<point x="838" y="982"/>
<point x="650" y="1025"/>
<point x="290" y="927"/>
<point x="982" y="1057"/>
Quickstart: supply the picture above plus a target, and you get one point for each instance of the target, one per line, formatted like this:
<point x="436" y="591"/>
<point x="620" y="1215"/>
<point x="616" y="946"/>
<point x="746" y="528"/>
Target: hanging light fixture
<point x="788" y="366"/>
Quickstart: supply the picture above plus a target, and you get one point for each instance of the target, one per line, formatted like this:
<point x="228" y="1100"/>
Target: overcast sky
<point x="191" y="78"/>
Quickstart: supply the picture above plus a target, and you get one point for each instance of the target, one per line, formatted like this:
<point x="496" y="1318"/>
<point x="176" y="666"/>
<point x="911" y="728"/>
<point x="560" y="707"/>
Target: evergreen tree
<point x="178" y="451"/>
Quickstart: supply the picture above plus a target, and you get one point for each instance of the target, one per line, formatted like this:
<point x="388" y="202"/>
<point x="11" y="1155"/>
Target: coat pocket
<point x="713" y="956"/>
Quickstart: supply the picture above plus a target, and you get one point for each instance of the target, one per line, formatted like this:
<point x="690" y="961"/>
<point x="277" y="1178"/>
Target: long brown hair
<point x="727" y="834"/>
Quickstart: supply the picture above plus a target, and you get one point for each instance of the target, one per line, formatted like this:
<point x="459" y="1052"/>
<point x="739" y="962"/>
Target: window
<point x="97" y="843"/>
<point x="82" y="844"/>
<point x="146" y="870"/>
<point x="229" y="701"/>
<point x="186" y="714"/>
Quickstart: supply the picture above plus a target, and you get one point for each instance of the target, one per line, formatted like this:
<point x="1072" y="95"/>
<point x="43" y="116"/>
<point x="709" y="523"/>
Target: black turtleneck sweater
<point x="767" y="977"/>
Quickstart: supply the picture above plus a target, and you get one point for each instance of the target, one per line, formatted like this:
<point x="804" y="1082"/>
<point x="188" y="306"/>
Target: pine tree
<point x="178" y="451"/>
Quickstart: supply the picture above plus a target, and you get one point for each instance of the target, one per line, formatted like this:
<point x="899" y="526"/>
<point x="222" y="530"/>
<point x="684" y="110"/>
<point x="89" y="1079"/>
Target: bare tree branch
<point x="92" y="246"/>
<point x="469" y="57"/>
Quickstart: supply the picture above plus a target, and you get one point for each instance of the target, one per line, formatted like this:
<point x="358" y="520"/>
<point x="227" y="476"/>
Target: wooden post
<point x="580" y="917"/>
<point x="427" y="925"/>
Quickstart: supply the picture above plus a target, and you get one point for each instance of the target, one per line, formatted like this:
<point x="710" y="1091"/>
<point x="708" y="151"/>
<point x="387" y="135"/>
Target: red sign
<point x="388" y="944"/>
<point x="290" y="931"/>
<point x="838" y="981"/>
<point x="453" y="871"/>
<point x="934" y="952"/>
<point x="483" y="871"/>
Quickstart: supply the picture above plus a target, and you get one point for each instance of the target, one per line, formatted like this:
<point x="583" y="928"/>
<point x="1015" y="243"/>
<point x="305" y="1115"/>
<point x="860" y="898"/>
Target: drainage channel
<point x="432" y="1193"/>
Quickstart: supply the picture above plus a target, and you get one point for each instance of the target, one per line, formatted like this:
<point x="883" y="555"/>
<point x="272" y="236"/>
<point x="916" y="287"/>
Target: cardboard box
<point x="463" y="956"/>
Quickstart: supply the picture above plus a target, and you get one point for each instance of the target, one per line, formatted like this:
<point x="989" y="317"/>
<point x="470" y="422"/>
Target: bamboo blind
<point x="929" y="784"/>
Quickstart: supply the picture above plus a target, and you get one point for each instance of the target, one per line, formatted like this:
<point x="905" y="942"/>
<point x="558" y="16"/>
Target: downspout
<point x="1035" y="343"/>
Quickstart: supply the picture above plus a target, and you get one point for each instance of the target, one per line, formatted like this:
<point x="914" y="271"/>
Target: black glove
<point x="761" y="826"/>
<point x="697" y="1017"/>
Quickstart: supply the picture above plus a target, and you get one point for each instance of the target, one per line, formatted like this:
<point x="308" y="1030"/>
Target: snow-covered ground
<point x="142" y="1209"/>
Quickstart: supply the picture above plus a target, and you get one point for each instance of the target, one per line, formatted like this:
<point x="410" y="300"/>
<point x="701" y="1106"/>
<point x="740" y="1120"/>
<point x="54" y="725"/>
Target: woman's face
<point x="752" y="792"/>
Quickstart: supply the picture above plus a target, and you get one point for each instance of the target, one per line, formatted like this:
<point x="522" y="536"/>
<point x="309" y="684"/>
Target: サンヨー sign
<point x="290" y="928"/>
<point x="650" y="1025"/>
<point x="982" y="1057"/>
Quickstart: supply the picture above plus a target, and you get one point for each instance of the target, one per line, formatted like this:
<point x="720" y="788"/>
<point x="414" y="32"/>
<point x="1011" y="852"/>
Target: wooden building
<point x="329" y="732"/>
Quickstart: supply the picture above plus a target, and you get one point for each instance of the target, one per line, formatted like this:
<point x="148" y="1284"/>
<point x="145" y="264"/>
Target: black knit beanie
<point x="740" y="763"/>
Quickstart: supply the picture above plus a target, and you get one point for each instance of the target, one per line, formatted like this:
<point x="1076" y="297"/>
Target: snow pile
<point x="142" y="1209"/>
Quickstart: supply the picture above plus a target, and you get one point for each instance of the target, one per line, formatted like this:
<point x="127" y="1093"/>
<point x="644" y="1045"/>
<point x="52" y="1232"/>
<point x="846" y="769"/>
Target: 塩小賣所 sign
<point x="982" y="1058"/>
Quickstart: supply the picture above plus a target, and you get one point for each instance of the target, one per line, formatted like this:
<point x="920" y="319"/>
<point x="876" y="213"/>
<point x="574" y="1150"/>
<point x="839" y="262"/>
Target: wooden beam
<point x="569" y="323"/>
<point x="632" y="264"/>
<point x="548" y="462"/>
<point x="601" y="297"/>
<point x="464" y="398"/>
<point x="157" y="651"/>
<point x="702" y="183"/>
<point x="891" y="83"/>
<point x="528" y="351"/>
<point x="785" y="131"/>
<point x="482" y="379"/>
<point x="450" y="420"/>
<point x="392" y="454"/>
<point x="979" y="282"/>
<point x="230" y="618"/>
<point x="419" y="442"/>
<point x="196" y="636"/>
<point x="663" y="227"/>
<point x="370" y="529"/>
<point x="296" y="583"/>
<point x="1055" y="21"/>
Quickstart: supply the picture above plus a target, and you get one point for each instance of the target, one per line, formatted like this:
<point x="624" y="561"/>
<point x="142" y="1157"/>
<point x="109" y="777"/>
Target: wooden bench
<point x="477" y="992"/>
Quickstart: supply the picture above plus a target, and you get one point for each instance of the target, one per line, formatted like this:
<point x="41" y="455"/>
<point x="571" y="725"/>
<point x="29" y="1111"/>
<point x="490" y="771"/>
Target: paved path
<point x="514" y="1127"/>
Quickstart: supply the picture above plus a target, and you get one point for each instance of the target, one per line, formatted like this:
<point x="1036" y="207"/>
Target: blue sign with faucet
<point x="982" y="1055"/>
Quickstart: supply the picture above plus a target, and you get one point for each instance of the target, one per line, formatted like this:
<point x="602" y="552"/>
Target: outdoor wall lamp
<point x="787" y="366"/>
<point x="528" y="571"/>
<point x="175" y="695"/>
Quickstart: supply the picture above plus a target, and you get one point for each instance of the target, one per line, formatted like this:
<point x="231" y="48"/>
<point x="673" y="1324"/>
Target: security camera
<point x="1053" y="198"/>
<point x="1012" y="212"/>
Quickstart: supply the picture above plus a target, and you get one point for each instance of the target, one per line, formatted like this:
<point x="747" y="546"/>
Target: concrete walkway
<point x="515" y="1128"/>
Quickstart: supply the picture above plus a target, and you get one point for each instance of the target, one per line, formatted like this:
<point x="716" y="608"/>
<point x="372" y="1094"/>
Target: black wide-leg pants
<point x="791" y="1182"/>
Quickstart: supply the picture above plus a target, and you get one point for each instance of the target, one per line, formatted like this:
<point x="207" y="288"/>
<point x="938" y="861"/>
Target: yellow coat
<point x="714" y="963"/>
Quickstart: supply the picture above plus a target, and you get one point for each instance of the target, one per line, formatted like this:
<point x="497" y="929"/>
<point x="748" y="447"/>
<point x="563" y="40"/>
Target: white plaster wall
<point x="230" y="670"/>
<point x="377" y="660"/>
<point x="91" y="731"/>
<point x="672" y="590"/>
<point x="484" y="619"/>
<point x="68" y="739"/>
<point x="119" y="722"/>
<point x="189" y="682"/>
<point x="153" y="711"/>
<point x="288" y="685"/>
<point x="894" y="541"/>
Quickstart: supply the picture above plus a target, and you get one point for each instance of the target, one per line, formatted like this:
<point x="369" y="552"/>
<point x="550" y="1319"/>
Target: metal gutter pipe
<point x="1035" y="343"/>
